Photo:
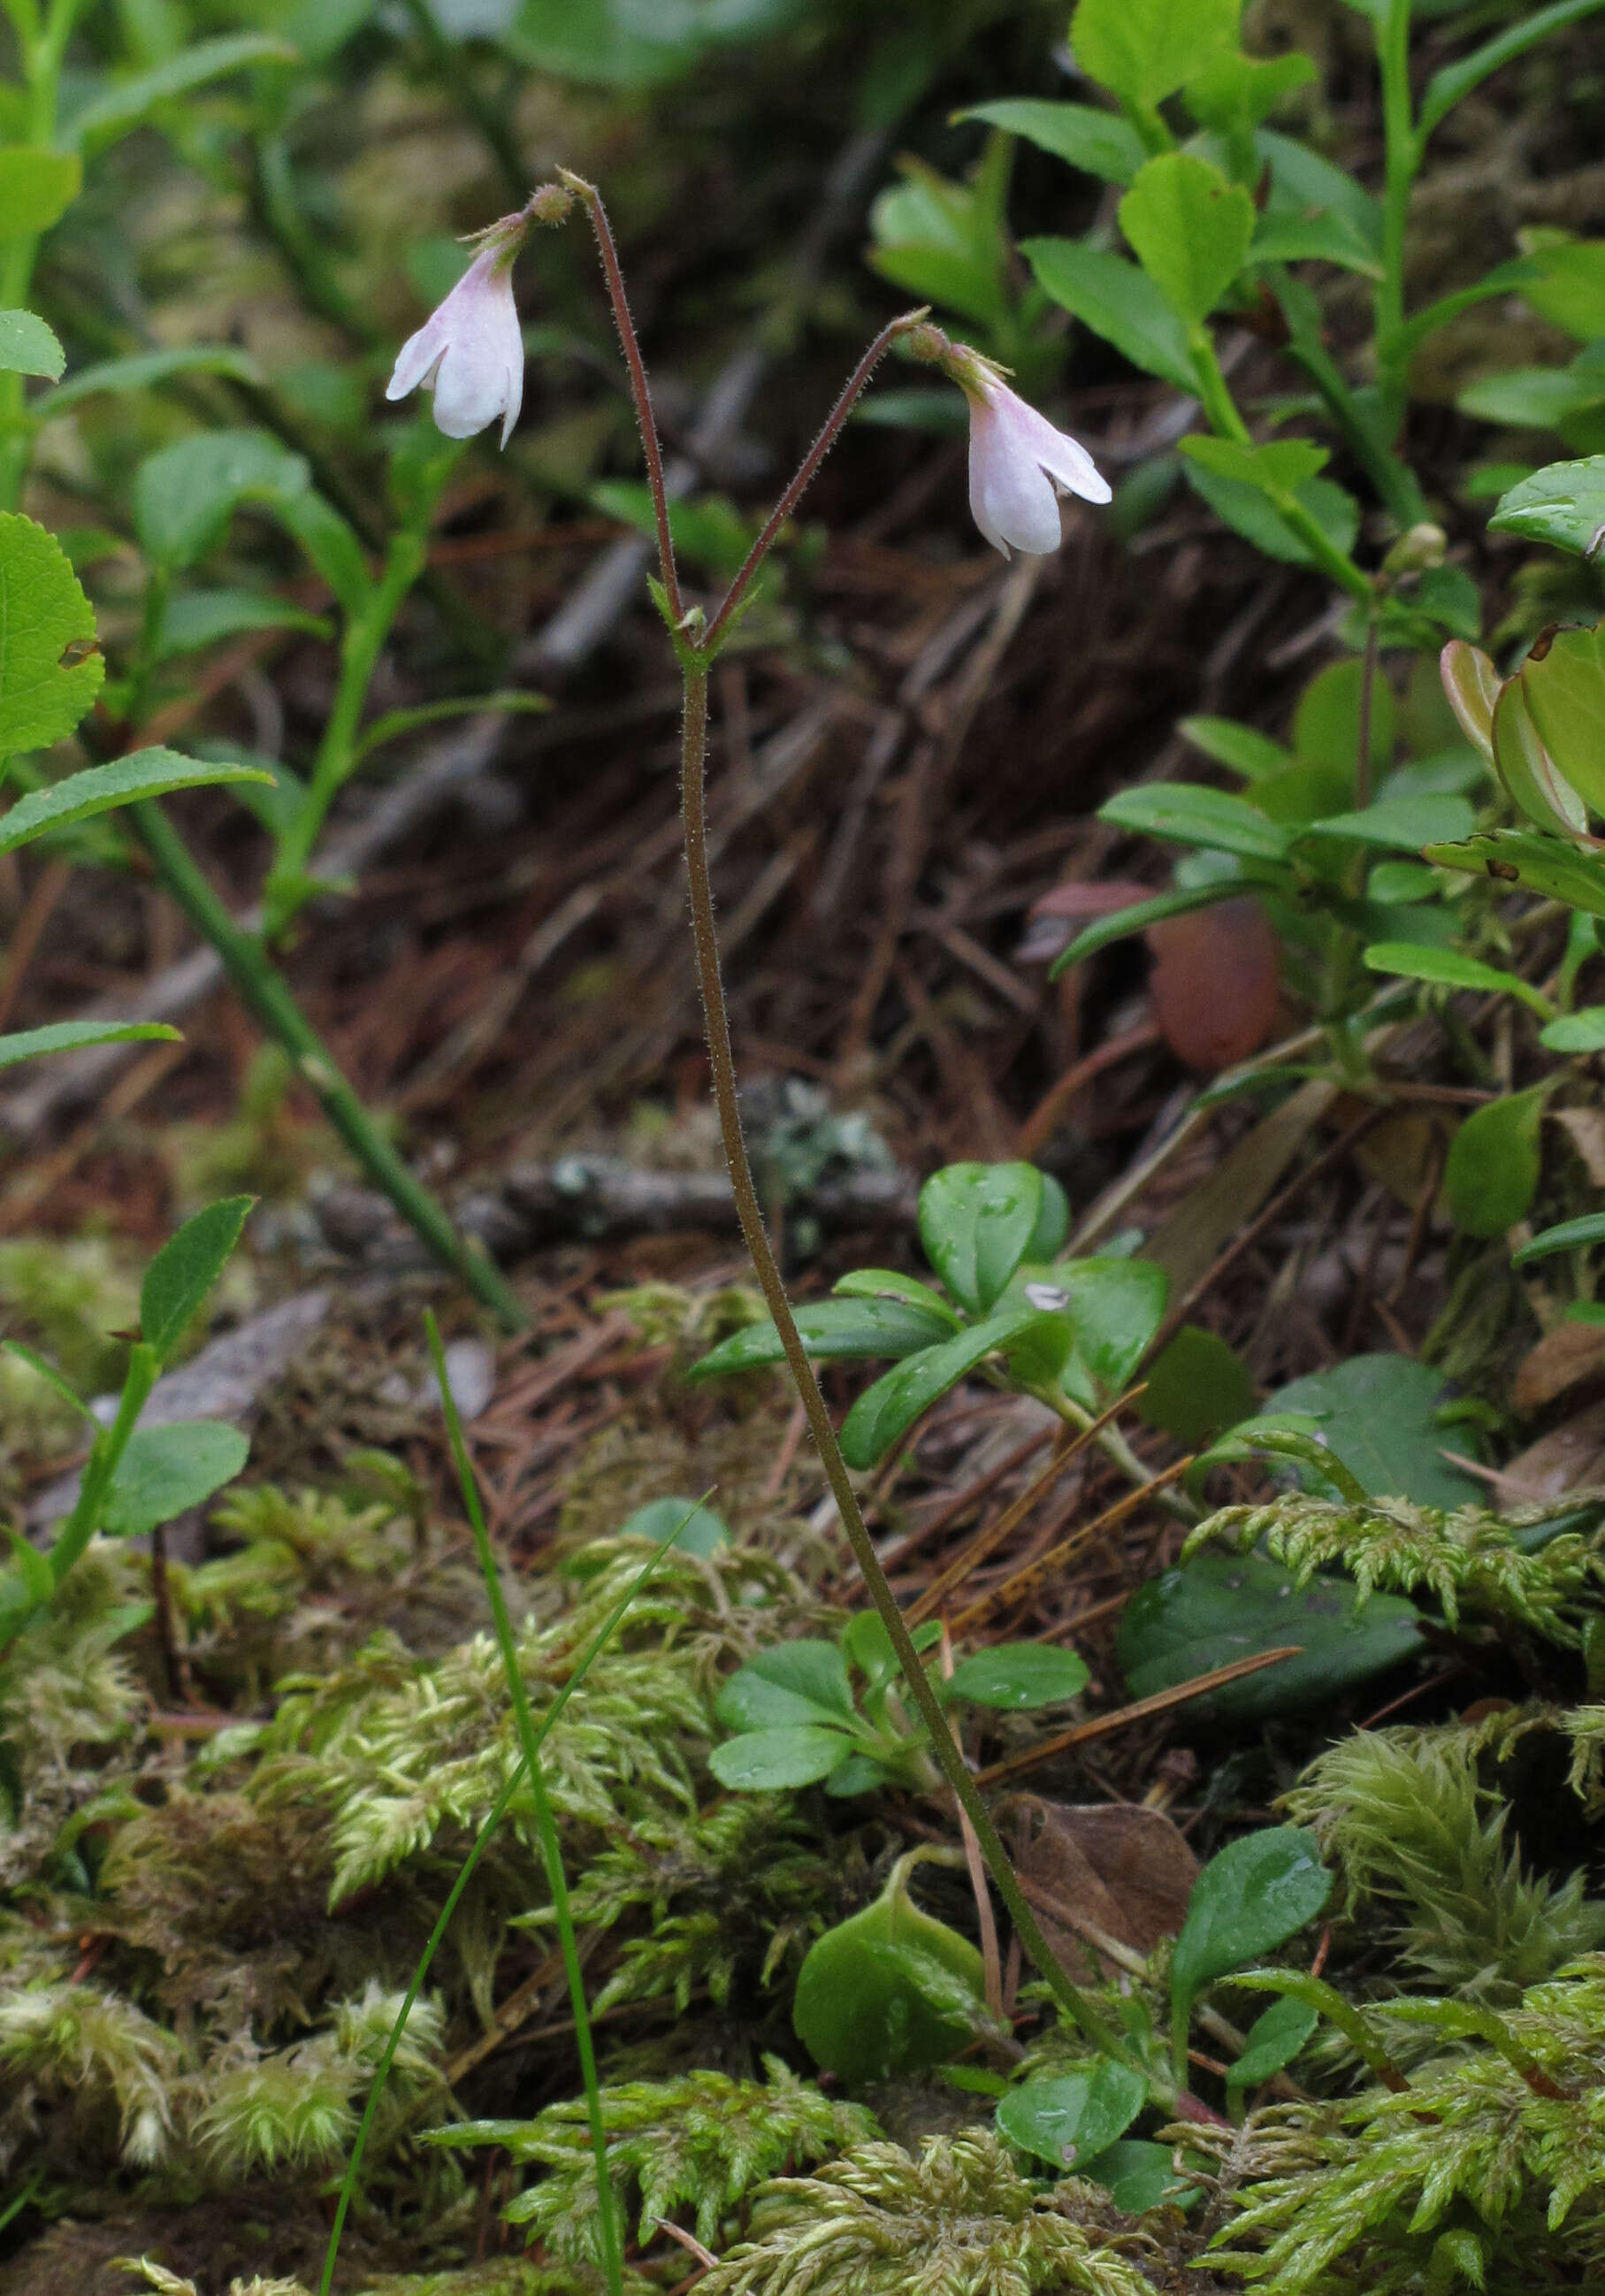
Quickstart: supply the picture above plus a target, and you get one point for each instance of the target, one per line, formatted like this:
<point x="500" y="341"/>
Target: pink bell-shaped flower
<point x="469" y="351"/>
<point x="1020" y="465"/>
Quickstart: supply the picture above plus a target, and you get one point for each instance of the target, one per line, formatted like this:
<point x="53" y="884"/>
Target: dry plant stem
<point x="694" y="768"/>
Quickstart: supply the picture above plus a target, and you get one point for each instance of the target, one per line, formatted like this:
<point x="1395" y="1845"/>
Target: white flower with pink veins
<point x="469" y="351"/>
<point x="1020" y="465"/>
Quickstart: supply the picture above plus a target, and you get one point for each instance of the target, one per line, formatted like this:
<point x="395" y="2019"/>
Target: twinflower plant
<point x="1018" y="461"/>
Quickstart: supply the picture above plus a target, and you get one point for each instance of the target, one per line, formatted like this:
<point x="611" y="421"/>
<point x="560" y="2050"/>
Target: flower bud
<point x="550" y="204"/>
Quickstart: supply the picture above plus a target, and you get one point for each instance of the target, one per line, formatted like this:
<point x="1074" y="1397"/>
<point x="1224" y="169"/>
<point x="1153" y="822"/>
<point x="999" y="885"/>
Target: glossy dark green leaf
<point x="1017" y="1677"/>
<point x="1114" y="1307"/>
<point x="887" y="1410"/>
<point x="977" y="1222"/>
<point x="166" y="1470"/>
<point x="1272" y="2042"/>
<point x="1558" y="870"/>
<point x="1219" y="1608"/>
<point x="1567" y="1236"/>
<point x="1251" y="1897"/>
<point x="1379" y="1414"/>
<point x="891" y="1283"/>
<point x="889" y="1991"/>
<point x="1195" y="1388"/>
<point x="1138" y="2176"/>
<point x="185" y="1270"/>
<point x="1068" y="2118"/>
<point x="1493" y="1166"/>
<point x="1403" y="824"/>
<point x="832" y="1329"/>
<point x="1563" y="504"/>
<point x="781" y="1759"/>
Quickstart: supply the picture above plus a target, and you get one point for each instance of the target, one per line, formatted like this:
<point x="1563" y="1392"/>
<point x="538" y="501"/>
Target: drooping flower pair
<point x="470" y="353"/>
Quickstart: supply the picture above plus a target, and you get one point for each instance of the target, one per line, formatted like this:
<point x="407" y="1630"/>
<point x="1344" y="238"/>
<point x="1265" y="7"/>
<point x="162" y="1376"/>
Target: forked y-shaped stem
<point x="695" y="642"/>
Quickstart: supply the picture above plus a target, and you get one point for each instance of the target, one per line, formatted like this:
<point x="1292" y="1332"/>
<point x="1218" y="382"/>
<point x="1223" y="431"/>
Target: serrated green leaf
<point x="1191" y="227"/>
<point x="1115" y="300"/>
<point x="1248" y="511"/>
<point x="1279" y="468"/>
<point x="43" y="612"/>
<point x="1143" y="50"/>
<point x="185" y="1270"/>
<point x="1099" y="143"/>
<point x="27" y="346"/>
<point x="143" y="774"/>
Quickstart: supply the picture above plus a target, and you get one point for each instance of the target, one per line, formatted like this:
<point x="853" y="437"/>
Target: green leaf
<point x="1280" y="468"/>
<point x="1191" y="227"/>
<point x="503" y="701"/>
<point x="1197" y="1388"/>
<point x="1530" y="397"/>
<point x="1115" y="300"/>
<point x="200" y="617"/>
<point x="38" y="186"/>
<point x="1114" y="1306"/>
<point x="887" y="1410"/>
<point x="1193" y="814"/>
<point x="891" y="1283"/>
<point x="1052" y="1221"/>
<point x="1122" y="923"/>
<point x="1451" y="83"/>
<point x="1402" y="823"/>
<point x="75" y="1036"/>
<point x="796" y="1682"/>
<point x="1542" y="864"/>
<point x="185" y="1270"/>
<point x="1279" y="237"/>
<point x="684" y="1523"/>
<point x="1100" y="143"/>
<point x="1303" y="184"/>
<point x="1446" y="968"/>
<point x="1526" y="769"/>
<point x="1233" y="92"/>
<point x="1241" y="748"/>
<point x="27" y="346"/>
<point x="185" y="494"/>
<point x="125" y="103"/>
<point x="1143" y="50"/>
<point x="1563" y="504"/>
<point x="329" y="541"/>
<point x="1069" y="2118"/>
<point x="1567" y="286"/>
<point x="1138" y="2176"/>
<point x="1494" y="1165"/>
<point x="1248" y="512"/>
<point x="1251" y="1897"/>
<point x="1018" y="1678"/>
<point x="43" y="612"/>
<point x="1272" y="2042"/>
<point x="142" y="369"/>
<point x="781" y="1759"/>
<point x="977" y="1222"/>
<point x="1563" y="683"/>
<point x="1567" y="1236"/>
<point x="1471" y="686"/>
<point x="143" y="773"/>
<point x="1219" y="1608"/>
<point x="1379" y="1413"/>
<point x="889" y="1991"/>
<point x="831" y="1329"/>
<point x="166" y="1470"/>
<point x="1583" y="1031"/>
<point x="51" y="1376"/>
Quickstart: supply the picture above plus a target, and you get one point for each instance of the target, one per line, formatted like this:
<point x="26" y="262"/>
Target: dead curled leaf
<point x="1112" y="1869"/>
<point x="1571" y="1352"/>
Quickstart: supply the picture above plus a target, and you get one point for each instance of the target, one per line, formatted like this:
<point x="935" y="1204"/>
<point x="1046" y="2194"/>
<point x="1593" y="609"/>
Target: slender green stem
<point x="693" y="776"/>
<point x="545" y="1821"/>
<point x="41" y="50"/>
<point x="1394" y="481"/>
<point x="1219" y="406"/>
<point x="1401" y="157"/>
<point x="267" y="995"/>
<point x="482" y="1840"/>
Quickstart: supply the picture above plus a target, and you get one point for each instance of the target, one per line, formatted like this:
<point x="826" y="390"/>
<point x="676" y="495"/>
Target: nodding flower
<point x="1019" y="467"/>
<point x="469" y="351"/>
